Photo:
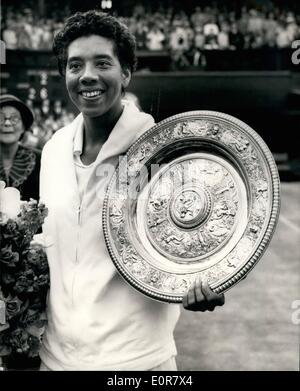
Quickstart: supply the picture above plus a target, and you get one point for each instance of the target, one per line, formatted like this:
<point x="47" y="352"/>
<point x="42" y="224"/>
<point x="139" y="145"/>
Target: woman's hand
<point x="200" y="297"/>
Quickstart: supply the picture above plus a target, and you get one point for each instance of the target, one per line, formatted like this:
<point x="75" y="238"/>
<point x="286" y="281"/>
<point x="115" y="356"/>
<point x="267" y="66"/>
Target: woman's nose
<point x="89" y="74"/>
<point x="7" y="122"/>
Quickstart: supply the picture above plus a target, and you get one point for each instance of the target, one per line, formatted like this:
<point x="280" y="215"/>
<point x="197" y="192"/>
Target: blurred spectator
<point x="255" y="22"/>
<point x="198" y="46"/>
<point x="179" y="45"/>
<point x="291" y="27"/>
<point x="223" y="37"/>
<point x="199" y="38"/>
<point x="283" y="39"/>
<point x="236" y="38"/>
<point x="47" y="36"/>
<point x="211" y="32"/>
<point x="9" y="35"/>
<point x="243" y="22"/>
<point x="198" y="18"/>
<point x="270" y="30"/>
<point x="179" y="39"/>
<point x="24" y="40"/>
<point x="211" y="28"/>
<point x="140" y="33"/>
<point x="37" y="34"/>
<point x="155" y="39"/>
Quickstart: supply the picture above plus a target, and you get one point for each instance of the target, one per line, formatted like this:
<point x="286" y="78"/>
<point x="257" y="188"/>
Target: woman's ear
<point x="126" y="75"/>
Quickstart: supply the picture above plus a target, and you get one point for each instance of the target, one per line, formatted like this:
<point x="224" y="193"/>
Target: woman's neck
<point x="8" y="152"/>
<point x="98" y="129"/>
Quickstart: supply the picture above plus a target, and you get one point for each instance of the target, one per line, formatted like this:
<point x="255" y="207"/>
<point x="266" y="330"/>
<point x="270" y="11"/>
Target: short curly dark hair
<point x="93" y="22"/>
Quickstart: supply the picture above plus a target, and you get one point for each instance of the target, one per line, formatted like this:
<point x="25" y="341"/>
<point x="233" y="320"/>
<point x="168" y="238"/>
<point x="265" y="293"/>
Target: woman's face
<point x="12" y="126"/>
<point x="94" y="76"/>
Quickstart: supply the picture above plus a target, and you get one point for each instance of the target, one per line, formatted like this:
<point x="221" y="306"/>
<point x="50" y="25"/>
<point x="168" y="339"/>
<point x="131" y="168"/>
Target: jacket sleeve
<point x="39" y="238"/>
<point x="43" y="172"/>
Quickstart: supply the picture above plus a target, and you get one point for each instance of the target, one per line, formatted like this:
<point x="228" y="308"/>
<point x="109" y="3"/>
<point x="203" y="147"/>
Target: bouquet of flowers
<point x="24" y="275"/>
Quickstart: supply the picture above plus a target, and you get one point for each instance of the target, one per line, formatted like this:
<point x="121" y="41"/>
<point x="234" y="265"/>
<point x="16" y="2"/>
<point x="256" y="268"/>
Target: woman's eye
<point x="103" y="64"/>
<point x="74" y="66"/>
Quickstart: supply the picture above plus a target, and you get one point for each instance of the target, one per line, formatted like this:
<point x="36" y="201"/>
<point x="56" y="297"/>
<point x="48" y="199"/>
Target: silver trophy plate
<point x="197" y="194"/>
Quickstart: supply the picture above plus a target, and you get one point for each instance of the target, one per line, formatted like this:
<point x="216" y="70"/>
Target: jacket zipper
<point x="79" y="211"/>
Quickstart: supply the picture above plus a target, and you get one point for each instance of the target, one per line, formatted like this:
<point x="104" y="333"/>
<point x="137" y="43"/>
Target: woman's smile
<point x="92" y="94"/>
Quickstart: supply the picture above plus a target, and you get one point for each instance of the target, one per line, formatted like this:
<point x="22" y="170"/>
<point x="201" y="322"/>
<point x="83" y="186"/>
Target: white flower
<point x="10" y="202"/>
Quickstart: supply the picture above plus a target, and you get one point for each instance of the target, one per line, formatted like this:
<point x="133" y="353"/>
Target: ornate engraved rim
<point x="273" y="215"/>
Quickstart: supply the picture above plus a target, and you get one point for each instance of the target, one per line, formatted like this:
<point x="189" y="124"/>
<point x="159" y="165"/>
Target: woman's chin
<point x="8" y="139"/>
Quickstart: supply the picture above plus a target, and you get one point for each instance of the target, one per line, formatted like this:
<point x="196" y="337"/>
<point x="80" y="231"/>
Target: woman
<point x="95" y="320"/>
<point x="19" y="165"/>
<point x="19" y="168"/>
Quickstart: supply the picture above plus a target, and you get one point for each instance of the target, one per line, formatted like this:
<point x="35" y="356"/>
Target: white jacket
<point x="96" y="321"/>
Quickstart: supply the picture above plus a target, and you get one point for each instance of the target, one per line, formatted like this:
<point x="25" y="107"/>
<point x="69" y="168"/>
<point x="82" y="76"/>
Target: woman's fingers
<point x="200" y="297"/>
<point x="198" y="290"/>
<point x="191" y="295"/>
<point x="213" y="299"/>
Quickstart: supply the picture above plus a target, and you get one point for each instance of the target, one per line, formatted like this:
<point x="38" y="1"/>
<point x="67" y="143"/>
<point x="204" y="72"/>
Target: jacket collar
<point x="130" y="125"/>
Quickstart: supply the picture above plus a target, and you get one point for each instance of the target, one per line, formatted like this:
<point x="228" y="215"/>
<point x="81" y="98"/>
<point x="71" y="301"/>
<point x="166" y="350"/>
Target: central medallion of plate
<point x="192" y="208"/>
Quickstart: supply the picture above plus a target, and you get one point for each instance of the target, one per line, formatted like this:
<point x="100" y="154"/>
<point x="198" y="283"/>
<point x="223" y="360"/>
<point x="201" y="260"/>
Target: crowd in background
<point x="23" y="28"/>
<point x="184" y="36"/>
<point x="209" y="27"/>
<point x="213" y="28"/>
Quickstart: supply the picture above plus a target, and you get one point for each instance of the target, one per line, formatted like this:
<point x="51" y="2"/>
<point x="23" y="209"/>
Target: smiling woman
<point x="96" y="55"/>
<point x="19" y="165"/>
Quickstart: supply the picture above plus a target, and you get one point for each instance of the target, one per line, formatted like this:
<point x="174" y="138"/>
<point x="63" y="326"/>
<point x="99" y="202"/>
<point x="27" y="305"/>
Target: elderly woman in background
<point x="19" y="168"/>
<point x="19" y="165"/>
